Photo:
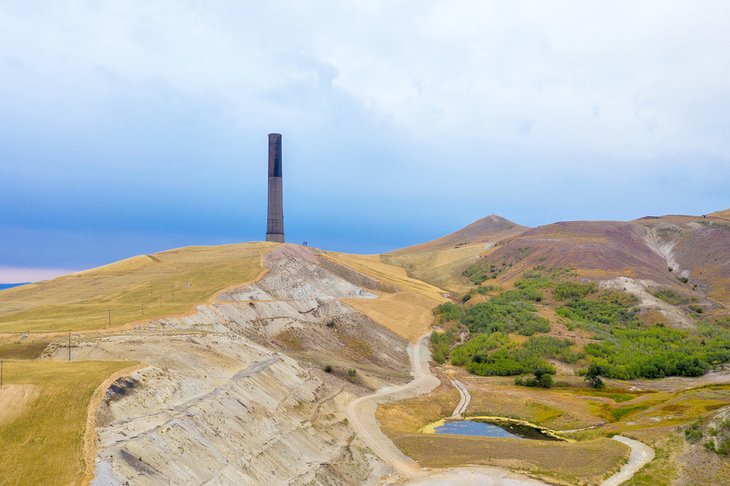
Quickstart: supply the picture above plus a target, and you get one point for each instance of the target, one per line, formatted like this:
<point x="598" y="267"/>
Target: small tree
<point x="593" y="376"/>
<point x="544" y="376"/>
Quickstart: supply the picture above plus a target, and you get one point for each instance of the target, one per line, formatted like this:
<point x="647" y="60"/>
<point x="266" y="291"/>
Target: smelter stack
<point x="275" y="219"/>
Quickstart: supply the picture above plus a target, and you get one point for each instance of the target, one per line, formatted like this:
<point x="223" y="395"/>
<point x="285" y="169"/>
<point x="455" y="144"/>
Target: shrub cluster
<point x="657" y="352"/>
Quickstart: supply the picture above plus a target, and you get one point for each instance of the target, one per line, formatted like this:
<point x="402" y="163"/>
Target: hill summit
<point x="488" y="229"/>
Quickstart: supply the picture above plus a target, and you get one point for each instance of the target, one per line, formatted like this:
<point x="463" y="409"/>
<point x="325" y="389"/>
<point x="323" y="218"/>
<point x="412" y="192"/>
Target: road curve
<point x="361" y="415"/>
<point x="463" y="402"/>
<point x="641" y="454"/>
<point x="361" y="411"/>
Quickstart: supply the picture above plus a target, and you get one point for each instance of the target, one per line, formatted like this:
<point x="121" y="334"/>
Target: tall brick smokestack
<point x="275" y="218"/>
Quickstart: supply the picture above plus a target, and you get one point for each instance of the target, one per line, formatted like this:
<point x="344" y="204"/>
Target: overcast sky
<point x="137" y="126"/>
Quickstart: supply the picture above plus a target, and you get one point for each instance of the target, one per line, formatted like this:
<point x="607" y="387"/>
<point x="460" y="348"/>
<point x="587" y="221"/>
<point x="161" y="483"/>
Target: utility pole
<point x="142" y="310"/>
<point x="1" y="374"/>
<point x="69" y="345"/>
<point x="109" y="322"/>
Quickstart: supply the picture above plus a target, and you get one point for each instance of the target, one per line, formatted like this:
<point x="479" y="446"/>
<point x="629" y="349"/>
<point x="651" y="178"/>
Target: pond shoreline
<point x="497" y="421"/>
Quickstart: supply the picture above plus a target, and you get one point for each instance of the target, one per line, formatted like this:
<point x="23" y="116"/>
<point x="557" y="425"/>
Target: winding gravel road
<point x="361" y="415"/>
<point x="641" y="454"/>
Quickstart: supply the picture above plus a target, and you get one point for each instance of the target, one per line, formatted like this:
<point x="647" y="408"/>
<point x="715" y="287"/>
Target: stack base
<point x="275" y="237"/>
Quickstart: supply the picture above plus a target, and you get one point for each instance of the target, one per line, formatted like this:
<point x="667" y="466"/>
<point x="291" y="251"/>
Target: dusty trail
<point x="463" y="402"/>
<point x="641" y="454"/>
<point x="361" y="415"/>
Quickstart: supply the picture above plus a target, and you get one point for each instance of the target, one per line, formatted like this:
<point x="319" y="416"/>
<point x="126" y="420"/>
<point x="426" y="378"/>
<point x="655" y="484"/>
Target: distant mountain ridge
<point x="489" y="229"/>
<point x="688" y="253"/>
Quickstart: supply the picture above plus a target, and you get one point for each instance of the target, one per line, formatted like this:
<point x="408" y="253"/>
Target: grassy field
<point x="51" y="422"/>
<point x="141" y="287"/>
<point x="407" y="312"/>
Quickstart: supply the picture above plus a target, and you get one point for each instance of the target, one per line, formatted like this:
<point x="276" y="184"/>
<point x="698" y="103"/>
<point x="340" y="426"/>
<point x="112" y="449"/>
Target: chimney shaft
<point x="275" y="218"/>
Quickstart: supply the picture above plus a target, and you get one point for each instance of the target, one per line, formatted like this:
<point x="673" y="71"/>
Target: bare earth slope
<point x="221" y="401"/>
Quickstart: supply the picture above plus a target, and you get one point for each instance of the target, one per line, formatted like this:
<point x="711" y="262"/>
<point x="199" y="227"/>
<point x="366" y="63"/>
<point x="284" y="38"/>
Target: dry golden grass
<point x="408" y="312"/>
<point x="562" y="462"/>
<point x="14" y="399"/>
<point x="166" y="283"/>
<point x="44" y="443"/>
<point x="372" y="266"/>
<point x="442" y="268"/>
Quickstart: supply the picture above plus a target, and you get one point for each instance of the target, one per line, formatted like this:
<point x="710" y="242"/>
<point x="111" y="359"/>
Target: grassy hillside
<point x="43" y="440"/>
<point x="407" y="312"/>
<point x="442" y="262"/>
<point x="490" y="229"/>
<point x="443" y="268"/>
<point x="142" y="287"/>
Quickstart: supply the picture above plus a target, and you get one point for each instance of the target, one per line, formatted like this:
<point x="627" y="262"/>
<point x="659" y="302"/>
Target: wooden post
<point x="1" y="374"/>
<point x="69" y="345"/>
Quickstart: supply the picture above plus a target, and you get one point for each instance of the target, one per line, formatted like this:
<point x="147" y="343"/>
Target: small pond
<point x="493" y="428"/>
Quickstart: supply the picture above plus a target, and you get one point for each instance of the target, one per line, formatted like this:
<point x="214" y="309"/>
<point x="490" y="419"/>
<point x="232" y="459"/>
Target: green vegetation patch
<point x="657" y="352"/>
<point x="487" y="268"/>
<point x="671" y="296"/>
<point x="621" y="412"/>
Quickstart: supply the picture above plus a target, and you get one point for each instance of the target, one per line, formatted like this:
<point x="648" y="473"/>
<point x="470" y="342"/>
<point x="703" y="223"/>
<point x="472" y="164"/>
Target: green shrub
<point x="724" y="448"/>
<point x="593" y="376"/>
<point x="505" y="314"/>
<point x="657" y="352"/>
<point x="441" y="343"/>
<point x="696" y="308"/>
<point x="553" y="348"/>
<point x="573" y="290"/>
<point x="693" y="432"/>
<point x="543" y="377"/>
<point x="448" y="311"/>
<point x="480" y="344"/>
<point x="669" y="296"/>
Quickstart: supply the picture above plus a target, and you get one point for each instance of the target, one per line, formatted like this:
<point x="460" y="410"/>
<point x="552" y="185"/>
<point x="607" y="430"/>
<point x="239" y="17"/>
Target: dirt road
<point x="641" y="454"/>
<point x="361" y="412"/>
<point x="361" y="415"/>
<point x="463" y="402"/>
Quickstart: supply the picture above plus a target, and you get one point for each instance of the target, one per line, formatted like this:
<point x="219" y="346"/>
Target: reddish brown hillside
<point x="666" y="250"/>
<point x="603" y="249"/>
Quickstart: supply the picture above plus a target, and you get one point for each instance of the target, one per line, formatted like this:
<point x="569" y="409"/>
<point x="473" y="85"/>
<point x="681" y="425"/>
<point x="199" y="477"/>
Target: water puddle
<point x="492" y="427"/>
